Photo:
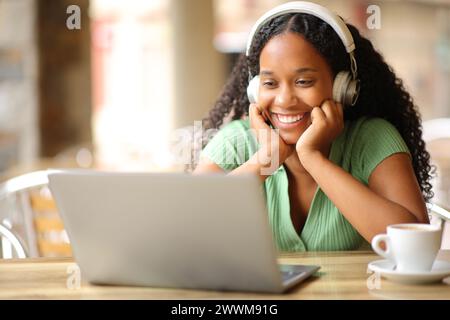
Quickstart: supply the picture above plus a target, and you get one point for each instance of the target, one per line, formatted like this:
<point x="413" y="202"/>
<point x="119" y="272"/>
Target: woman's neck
<point x="296" y="168"/>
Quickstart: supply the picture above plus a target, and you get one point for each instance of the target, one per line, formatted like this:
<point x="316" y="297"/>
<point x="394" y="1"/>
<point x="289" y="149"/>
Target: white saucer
<point x="439" y="271"/>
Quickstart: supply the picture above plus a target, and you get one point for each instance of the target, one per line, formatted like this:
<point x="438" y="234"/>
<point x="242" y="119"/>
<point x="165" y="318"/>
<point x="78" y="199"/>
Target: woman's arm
<point x="207" y="166"/>
<point x="393" y="195"/>
<point x="253" y="166"/>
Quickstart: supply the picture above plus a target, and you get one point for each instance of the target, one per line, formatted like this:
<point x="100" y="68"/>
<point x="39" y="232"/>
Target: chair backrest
<point x="29" y="222"/>
<point x="441" y="217"/>
<point x="11" y="246"/>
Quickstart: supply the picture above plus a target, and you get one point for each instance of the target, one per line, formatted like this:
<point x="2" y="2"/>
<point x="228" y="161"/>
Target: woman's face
<point x="293" y="79"/>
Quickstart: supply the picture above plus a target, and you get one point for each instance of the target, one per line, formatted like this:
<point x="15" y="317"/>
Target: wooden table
<point x="343" y="275"/>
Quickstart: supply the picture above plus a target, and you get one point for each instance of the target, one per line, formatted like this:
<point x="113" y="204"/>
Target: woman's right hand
<point x="273" y="148"/>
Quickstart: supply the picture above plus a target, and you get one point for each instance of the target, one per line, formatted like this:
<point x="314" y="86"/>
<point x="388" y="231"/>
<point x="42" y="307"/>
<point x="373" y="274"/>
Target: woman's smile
<point x="289" y="121"/>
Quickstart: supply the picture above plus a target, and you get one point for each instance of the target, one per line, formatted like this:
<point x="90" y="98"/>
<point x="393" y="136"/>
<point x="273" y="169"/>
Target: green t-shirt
<point x="361" y="146"/>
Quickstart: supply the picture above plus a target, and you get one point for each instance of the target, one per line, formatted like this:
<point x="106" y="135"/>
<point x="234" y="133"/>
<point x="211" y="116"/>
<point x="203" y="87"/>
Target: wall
<point x="18" y="83"/>
<point x="199" y="68"/>
<point x="64" y="77"/>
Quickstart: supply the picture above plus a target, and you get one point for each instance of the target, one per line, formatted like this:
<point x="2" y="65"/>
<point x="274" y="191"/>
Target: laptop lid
<point x="168" y="229"/>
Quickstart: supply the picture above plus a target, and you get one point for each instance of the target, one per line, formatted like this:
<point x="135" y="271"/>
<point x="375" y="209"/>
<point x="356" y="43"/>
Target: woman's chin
<point x="290" y="138"/>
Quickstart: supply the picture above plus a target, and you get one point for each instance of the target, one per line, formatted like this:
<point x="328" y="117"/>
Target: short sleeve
<point x="376" y="140"/>
<point x="231" y="146"/>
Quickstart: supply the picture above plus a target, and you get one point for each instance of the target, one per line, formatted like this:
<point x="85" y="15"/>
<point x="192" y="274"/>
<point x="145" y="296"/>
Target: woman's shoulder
<point x="235" y="129"/>
<point x="237" y="125"/>
<point x="368" y="142"/>
<point x="371" y="123"/>
<point x="367" y="129"/>
<point x="233" y="133"/>
<point x="232" y="145"/>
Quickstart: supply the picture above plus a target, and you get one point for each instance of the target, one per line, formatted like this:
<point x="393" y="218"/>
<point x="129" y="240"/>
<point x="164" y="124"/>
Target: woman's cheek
<point x="265" y="100"/>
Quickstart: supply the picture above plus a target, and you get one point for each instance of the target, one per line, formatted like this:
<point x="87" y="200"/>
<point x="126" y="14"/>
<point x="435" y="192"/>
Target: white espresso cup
<point x="412" y="247"/>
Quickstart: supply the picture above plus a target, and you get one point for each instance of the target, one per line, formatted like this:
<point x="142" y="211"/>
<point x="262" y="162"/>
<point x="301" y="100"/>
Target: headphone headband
<point x="310" y="8"/>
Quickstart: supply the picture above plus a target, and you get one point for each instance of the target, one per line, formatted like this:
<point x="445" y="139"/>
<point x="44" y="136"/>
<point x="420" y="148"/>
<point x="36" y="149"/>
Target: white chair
<point x="20" y="227"/>
<point x="16" y="221"/>
<point x="10" y="244"/>
<point x="441" y="217"/>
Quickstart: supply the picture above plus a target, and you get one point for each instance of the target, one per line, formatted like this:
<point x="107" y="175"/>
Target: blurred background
<point x="114" y="93"/>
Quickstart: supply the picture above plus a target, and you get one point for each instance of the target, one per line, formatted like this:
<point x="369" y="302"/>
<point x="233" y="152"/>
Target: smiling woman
<point x="345" y="166"/>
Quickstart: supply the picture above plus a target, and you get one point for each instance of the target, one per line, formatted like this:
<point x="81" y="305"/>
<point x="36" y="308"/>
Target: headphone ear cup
<point x="345" y="89"/>
<point x="352" y="93"/>
<point x="340" y="85"/>
<point x="253" y="89"/>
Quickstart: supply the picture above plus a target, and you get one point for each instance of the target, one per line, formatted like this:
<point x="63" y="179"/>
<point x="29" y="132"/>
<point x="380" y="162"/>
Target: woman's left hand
<point x="327" y="122"/>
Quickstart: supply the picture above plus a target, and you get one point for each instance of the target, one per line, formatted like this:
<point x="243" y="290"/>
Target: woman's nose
<point x="285" y="97"/>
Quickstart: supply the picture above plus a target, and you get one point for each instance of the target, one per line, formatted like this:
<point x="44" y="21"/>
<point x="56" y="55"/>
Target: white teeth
<point x="290" y="119"/>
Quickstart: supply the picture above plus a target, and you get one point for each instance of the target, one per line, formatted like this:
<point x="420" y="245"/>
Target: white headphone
<point x="345" y="85"/>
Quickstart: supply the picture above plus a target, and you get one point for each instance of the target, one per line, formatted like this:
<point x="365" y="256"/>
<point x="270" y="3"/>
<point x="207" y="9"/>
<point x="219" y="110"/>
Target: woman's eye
<point x="304" y="83"/>
<point x="268" y="83"/>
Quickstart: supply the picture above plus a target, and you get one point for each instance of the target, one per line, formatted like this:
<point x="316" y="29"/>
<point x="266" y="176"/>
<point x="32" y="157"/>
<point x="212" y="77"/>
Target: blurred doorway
<point x="132" y="83"/>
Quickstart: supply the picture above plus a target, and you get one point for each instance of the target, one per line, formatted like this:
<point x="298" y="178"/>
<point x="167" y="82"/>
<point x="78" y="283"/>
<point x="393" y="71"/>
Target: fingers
<point x="257" y="117"/>
<point x="330" y="109"/>
<point x="318" y="115"/>
<point x="263" y="113"/>
<point x="255" y="109"/>
<point x="328" y="112"/>
<point x="331" y="115"/>
<point x="333" y="110"/>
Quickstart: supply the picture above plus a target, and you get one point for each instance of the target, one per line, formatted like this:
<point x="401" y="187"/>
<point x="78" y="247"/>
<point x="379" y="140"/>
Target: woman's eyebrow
<point x="266" y="73"/>
<point x="299" y="70"/>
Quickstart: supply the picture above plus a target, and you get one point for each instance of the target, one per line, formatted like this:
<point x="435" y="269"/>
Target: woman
<point x="344" y="174"/>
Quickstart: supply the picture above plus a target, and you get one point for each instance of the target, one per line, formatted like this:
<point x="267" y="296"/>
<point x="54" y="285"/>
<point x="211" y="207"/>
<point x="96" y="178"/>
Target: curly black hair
<point x="382" y="94"/>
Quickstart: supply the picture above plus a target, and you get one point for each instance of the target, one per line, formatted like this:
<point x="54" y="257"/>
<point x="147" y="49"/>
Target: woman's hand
<point x="273" y="146"/>
<point x="327" y="123"/>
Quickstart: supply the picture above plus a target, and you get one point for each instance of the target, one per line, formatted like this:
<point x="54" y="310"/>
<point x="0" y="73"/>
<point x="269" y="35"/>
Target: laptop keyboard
<point x="288" y="275"/>
<point x="292" y="274"/>
<point x="289" y="272"/>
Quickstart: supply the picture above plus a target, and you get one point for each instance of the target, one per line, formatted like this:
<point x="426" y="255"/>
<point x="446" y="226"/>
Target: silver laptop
<point x="171" y="230"/>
